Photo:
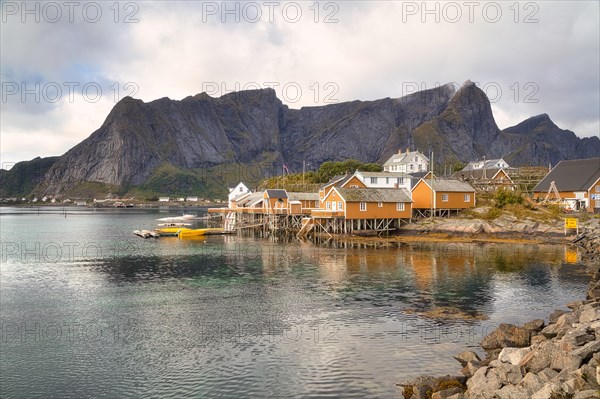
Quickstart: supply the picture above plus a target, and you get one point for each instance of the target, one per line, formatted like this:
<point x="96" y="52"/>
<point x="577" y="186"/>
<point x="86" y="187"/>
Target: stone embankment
<point x="589" y="242"/>
<point x="560" y="360"/>
<point x="505" y="224"/>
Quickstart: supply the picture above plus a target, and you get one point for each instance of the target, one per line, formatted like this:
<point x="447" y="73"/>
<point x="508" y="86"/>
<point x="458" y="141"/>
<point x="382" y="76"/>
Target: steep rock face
<point x="538" y="141"/>
<point x="464" y="130"/>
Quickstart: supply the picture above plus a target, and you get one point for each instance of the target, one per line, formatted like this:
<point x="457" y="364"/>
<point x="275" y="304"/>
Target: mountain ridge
<point x="255" y="129"/>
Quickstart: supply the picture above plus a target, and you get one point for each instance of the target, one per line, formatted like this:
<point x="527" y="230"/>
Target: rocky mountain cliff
<point x="154" y="144"/>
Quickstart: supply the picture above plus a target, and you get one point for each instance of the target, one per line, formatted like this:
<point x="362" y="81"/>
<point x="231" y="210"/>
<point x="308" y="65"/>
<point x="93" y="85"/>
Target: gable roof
<point x="572" y="175"/>
<point x="240" y="183"/>
<point x="448" y="185"/>
<point x="399" y="159"/>
<point x="251" y="200"/>
<point x="276" y="193"/>
<point x="478" y="174"/>
<point x="303" y="196"/>
<point x="338" y="180"/>
<point x="373" y="194"/>
<point x="487" y="164"/>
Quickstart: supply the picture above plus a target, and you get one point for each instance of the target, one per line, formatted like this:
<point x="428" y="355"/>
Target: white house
<point x="407" y="162"/>
<point x="385" y="179"/>
<point x="237" y="191"/>
<point x="192" y="199"/>
<point x="163" y="199"/>
<point x="486" y="164"/>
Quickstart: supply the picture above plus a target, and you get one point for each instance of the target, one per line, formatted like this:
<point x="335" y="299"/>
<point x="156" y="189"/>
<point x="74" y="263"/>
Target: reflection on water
<point x="241" y="317"/>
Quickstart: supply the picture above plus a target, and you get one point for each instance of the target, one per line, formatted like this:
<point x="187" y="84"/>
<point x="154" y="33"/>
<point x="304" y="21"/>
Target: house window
<point x="373" y="180"/>
<point x="241" y="189"/>
<point x="387" y="180"/>
<point x="597" y="189"/>
<point x="354" y="186"/>
<point x="597" y="204"/>
<point x="328" y="205"/>
<point x="340" y="205"/>
<point x="399" y="206"/>
<point x="467" y="197"/>
<point x="411" y="167"/>
<point x="380" y="204"/>
<point x="444" y="197"/>
<point x="363" y="206"/>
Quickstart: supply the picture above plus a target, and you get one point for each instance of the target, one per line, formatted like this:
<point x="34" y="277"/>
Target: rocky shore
<point x="560" y="360"/>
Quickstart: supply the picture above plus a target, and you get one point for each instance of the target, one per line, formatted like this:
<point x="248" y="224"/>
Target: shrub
<point x="504" y="197"/>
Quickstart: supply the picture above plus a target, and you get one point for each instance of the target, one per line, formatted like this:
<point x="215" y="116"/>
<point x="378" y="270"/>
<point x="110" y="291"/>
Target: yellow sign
<point x="570" y="223"/>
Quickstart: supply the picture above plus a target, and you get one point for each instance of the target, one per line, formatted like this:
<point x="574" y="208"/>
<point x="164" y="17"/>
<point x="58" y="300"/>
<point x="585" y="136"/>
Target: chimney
<point x="399" y="151"/>
<point x="407" y="150"/>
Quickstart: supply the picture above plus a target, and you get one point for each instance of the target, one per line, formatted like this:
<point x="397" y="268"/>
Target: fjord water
<point x="89" y="310"/>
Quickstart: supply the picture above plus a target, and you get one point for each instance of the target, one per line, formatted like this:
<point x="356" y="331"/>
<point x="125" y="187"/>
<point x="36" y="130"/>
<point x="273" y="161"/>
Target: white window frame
<point x="333" y="206"/>
<point x="400" y="206"/>
<point x="328" y="205"/>
<point x="597" y="189"/>
<point x="373" y="180"/>
<point x="380" y="204"/>
<point x="340" y="206"/>
<point x="444" y="197"/>
<point x="363" y="206"/>
<point x="467" y="197"/>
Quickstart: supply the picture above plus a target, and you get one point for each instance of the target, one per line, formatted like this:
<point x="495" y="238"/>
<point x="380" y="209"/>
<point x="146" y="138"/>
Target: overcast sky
<point x="65" y="64"/>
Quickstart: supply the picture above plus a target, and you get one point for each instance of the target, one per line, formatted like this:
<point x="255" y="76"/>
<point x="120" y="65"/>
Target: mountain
<point x="24" y="176"/>
<point x="538" y="141"/>
<point x="200" y="144"/>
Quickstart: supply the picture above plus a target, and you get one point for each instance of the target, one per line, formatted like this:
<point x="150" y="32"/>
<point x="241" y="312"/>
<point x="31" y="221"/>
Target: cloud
<point x="531" y="58"/>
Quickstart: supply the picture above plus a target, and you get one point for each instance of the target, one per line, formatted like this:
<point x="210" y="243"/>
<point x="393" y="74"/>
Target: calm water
<point x="89" y="310"/>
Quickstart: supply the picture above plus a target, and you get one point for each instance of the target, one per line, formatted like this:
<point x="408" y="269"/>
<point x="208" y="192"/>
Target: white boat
<point x="183" y="218"/>
<point x="174" y="224"/>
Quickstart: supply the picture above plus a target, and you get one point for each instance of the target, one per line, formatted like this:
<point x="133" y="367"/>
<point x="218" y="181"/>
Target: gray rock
<point x="547" y="375"/>
<point x="512" y="392"/>
<point x="470" y="369"/>
<point x="510" y="374"/>
<point x="589" y="314"/>
<point x="556" y="314"/>
<point x="589" y="394"/>
<point x="534" y="325"/>
<point x="586" y="351"/>
<point x="532" y="383"/>
<point x="507" y="335"/>
<point x="466" y="357"/>
<point x="513" y="355"/>
<point x="484" y="383"/>
<point x="539" y="359"/>
<point x="446" y="393"/>
<point x="565" y="361"/>
<point x="550" y="391"/>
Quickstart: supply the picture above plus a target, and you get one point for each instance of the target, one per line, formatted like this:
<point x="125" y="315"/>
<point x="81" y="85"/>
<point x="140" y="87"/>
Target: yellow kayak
<point x="172" y="230"/>
<point x="198" y="232"/>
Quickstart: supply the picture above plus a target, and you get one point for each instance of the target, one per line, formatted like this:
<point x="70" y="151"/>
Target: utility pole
<point x="432" y="190"/>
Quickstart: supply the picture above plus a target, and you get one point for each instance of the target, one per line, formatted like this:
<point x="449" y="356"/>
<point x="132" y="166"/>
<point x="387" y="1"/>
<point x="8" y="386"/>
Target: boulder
<point x="484" y="383"/>
<point x="555" y="315"/>
<point x="540" y="358"/>
<point x="513" y="355"/>
<point x="512" y="392"/>
<point x="589" y="314"/>
<point x="446" y="393"/>
<point x="565" y="361"/>
<point x="588" y="394"/>
<point x="466" y="357"/>
<point x="586" y="351"/>
<point x="534" y="325"/>
<point x="507" y="335"/>
<point x="470" y="369"/>
<point x="532" y="383"/>
<point x="510" y="374"/>
<point x="550" y="391"/>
